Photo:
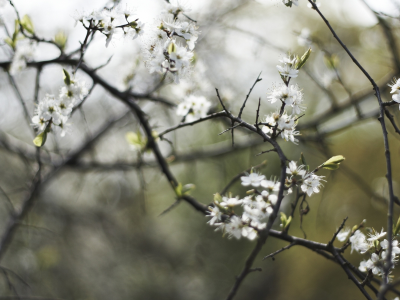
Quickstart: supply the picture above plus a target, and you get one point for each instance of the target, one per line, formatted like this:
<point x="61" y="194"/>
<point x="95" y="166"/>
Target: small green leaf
<point x="187" y="188"/>
<point x="61" y="39"/>
<point x="303" y="59"/>
<point x="217" y="198"/>
<point x="67" y="78"/>
<point x="333" y="163"/>
<point x="27" y="24"/>
<point x="331" y="167"/>
<point x="285" y="220"/>
<point x="178" y="190"/>
<point x="331" y="61"/>
<point x="9" y="42"/>
<point x="136" y="139"/>
<point x="40" y="139"/>
<point x="171" y="48"/>
<point x="133" y="138"/>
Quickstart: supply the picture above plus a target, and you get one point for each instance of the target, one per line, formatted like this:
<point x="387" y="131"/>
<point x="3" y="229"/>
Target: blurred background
<point x="96" y="232"/>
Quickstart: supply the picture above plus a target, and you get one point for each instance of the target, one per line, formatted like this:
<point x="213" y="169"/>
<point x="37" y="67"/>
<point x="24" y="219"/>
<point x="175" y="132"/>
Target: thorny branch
<point x="386" y="144"/>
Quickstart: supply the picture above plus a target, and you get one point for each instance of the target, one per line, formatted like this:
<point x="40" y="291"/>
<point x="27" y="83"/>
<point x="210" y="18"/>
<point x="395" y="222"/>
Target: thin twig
<point x="270" y="150"/>
<point x="391" y="119"/>
<point x="381" y="118"/>
<point x="337" y="232"/>
<point x="278" y="251"/>
<point x="248" y="95"/>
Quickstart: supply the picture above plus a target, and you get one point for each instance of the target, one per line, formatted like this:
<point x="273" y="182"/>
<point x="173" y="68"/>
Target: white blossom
<point x="311" y="184"/>
<point x="288" y="68"/>
<point x="270" y="185"/>
<point x="234" y="227"/>
<point x="73" y="92"/>
<point x="23" y="53"/>
<point x="193" y="107"/>
<point x="374" y="264"/>
<point x="135" y="30"/>
<point x="285" y="122"/>
<point x="253" y="179"/>
<point x="271" y="120"/>
<point x="284" y="93"/>
<point x="249" y="232"/>
<point x="304" y="38"/>
<point x="293" y="170"/>
<point x="395" y="91"/>
<point x="289" y="135"/>
<point x="176" y="7"/>
<point x="215" y="215"/>
<point x="343" y="234"/>
<point x="157" y="62"/>
<point x="230" y="202"/>
<point x="376" y="236"/>
<point x="359" y="243"/>
<point x="395" y="247"/>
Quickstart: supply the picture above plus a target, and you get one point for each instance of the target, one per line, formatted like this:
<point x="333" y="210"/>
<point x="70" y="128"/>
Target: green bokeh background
<point x="98" y="234"/>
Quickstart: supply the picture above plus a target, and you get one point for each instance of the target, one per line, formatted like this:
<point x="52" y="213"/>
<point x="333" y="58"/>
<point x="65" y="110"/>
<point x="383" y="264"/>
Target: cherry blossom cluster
<point x="56" y="111"/>
<point x="119" y="20"/>
<point x="259" y="205"/>
<point x="171" y="43"/>
<point x="308" y="181"/>
<point x="256" y="208"/>
<point x="193" y="108"/>
<point x="374" y="245"/>
<point x="23" y="53"/>
<point x="281" y="122"/>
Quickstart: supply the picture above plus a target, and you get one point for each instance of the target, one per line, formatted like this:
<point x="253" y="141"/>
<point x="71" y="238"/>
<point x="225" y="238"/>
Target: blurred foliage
<point x="97" y="234"/>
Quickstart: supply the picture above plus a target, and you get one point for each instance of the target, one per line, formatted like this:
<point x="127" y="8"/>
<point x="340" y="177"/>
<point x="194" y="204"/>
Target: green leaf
<point x="136" y="139"/>
<point x="331" y="167"/>
<point x="303" y="59"/>
<point x="178" y="190"/>
<point x="333" y="163"/>
<point x="61" y="39"/>
<point x="285" y="220"/>
<point x="9" y="42"/>
<point x="27" y="24"/>
<point x="40" y="139"/>
<point x="171" y="48"/>
<point x="67" y="78"/>
<point x="133" y="138"/>
<point x="187" y="188"/>
<point x="331" y="61"/>
<point x="217" y="198"/>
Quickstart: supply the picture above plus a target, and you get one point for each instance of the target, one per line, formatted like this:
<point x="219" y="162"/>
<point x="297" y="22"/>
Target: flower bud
<point x="27" y="24"/>
<point x="302" y="61"/>
<point x="333" y="163"/>
<point x="61" y="39"/>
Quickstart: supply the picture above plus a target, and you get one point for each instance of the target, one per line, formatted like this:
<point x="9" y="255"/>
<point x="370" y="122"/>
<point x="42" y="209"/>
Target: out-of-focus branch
<point x="381" y="118"/>
<point x="37" y="183"/>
